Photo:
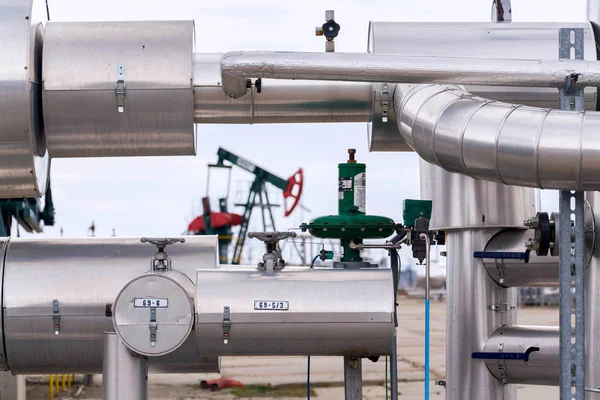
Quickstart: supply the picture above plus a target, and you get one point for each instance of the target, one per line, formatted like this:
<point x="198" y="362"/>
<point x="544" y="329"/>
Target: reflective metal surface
<point x="543" y="367"/>
<point x="148" y="327"/>
<point x="499" y="142"/>
<point x="470" y="321"/>
<point x="517" y="40"/>
<point x="539" y="271"/>
<point x="125" y="375"/>
<point x="84" y="276"/>
<point x="474" y="203"/>
<point x="24" y="161"/>
<point x="329" y="312"/>
<point x="237" y="67"/>
<point x="82" y="82"/>
<point x="487" y="40"/>
<point x="280" y="101"/>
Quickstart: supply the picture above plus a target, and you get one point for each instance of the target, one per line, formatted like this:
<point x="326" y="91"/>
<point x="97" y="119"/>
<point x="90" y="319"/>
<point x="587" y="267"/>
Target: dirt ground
<point x="327" y="372"/>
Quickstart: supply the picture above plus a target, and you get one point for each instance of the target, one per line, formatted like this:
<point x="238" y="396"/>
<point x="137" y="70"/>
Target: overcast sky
<point x="157" y="196"/>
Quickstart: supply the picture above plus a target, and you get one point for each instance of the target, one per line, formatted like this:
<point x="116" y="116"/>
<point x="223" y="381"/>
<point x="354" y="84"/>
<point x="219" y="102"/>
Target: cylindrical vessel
<point x="470" y="320"/>
<point x="24" y="161"/>
<point x="517" y="40"/>
<point x="335" y="312"/>
<point x="119" y="88"/>
<point x="539" y="271"/>
<point x="542" y="345"/>
<point x="72" y="283"/>
<point x="124" y="375"/>
<point x="154" y="313"/>
<point x="473" y="211"/>
<point x="279" y="101"/>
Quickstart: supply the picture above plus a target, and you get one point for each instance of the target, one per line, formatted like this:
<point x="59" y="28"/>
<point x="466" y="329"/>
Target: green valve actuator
<point x="352" y="224"/>
<point x="352" y="186"/>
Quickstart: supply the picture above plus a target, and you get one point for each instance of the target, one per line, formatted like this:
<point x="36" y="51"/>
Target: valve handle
<point x="271" y="237"/>
<point x="293" y="191"/>
<point x="161" y="243"/>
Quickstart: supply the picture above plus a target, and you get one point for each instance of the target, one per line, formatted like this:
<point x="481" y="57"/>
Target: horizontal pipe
<point x="543" y="365"/>
<point x="279" y="101"/>
<point x="538" y="271"/>
<point x="500" y="142"/>
<point x="237" y="67"/>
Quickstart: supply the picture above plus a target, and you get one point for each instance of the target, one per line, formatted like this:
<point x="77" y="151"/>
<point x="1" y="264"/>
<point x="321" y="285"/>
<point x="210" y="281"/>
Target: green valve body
<point x="352" y="224"/>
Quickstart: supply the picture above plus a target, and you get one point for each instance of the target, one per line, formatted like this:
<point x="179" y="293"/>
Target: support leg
<point x="353" y="378"/>
<point x="125" y="376"/>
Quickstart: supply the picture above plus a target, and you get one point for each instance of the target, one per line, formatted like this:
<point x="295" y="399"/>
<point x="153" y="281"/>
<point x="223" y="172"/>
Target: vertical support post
<point x="572" y="247"/>
<point x="125" y="376"/>
<point x="353" y="378"/>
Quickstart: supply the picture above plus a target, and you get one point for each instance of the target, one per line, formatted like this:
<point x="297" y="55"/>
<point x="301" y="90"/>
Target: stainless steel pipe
<point x="279" y="101"/>
<point x="124" y="375"/>
<point x="543" y="366"/>
<point x="538" y="271"/>
<point x="237" y="67"/>
<point x="505" y="143"/>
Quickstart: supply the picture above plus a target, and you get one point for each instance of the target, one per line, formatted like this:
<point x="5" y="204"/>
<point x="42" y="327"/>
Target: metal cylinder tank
<point x="58" y="295"/>
<point x="331" y="312"/>
<point x="541" y="343"/>
<point x="24" y="161"/>
<point x="517" y="40"/>
<point x="279" y="101"/>
<point x="119" y="88"/>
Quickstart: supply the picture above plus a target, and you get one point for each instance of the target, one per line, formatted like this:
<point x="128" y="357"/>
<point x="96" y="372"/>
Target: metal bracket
<point x="501" y="307"/>
<point x="226" y="324"/>
<point x="501" y="268"/>
<point x="571" y="243"/>
<point x="385" y="102"/>
<point x="56" y="316"/>
<point x="120" y="88"/>
<point x="153" y="326"/>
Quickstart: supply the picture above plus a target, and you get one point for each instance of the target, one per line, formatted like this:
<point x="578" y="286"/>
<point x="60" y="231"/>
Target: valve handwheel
<point x="293" y="191"/>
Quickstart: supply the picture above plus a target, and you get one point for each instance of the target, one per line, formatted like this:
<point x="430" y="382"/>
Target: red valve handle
<point x="293" y="191"/>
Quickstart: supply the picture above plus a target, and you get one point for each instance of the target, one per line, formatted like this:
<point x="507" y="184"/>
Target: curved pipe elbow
<point x="233" y="86"/>
<point x="500" y="142"/>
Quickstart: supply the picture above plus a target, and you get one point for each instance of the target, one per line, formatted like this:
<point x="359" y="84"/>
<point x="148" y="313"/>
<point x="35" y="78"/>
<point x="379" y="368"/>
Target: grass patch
<point x="271" y="391"/>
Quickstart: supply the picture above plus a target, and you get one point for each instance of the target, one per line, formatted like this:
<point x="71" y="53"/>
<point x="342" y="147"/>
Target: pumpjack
<point x="221" y="223"/>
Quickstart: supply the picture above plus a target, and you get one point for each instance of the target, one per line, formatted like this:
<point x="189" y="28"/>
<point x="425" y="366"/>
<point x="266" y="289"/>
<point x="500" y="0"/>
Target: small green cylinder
<point x="351" y="186"/>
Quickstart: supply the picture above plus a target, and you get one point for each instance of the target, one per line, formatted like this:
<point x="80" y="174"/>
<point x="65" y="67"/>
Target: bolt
<point x="532" y="244"/>
<point x="443" y="253"/>
<point x="532" y="223"/>
<point x="351" y="154"/>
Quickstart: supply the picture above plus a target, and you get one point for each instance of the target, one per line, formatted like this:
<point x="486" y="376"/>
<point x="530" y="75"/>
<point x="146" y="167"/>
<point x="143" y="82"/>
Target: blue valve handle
<point x="512" y="255"/>
<point x="504" y="356"/>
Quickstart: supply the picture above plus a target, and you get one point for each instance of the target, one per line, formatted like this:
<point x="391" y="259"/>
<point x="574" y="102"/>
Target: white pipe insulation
<point x="500" y="142"/>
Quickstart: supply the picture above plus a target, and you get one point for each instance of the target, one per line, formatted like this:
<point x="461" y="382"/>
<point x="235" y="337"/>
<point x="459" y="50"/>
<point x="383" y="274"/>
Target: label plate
<point x="278" y="305"/>
<point x="150" y="302"/>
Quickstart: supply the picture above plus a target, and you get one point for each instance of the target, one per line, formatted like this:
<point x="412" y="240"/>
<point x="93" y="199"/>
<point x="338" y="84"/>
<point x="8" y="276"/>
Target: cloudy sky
<point x="159" y="196"/>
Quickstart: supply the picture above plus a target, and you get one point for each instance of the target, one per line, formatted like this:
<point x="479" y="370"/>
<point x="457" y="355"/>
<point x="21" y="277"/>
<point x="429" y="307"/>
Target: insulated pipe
<point x="542" y="345"/>
<point x="238" y="67"/>
<point x="500" y="142"/>
<point x="279" y="101"/>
